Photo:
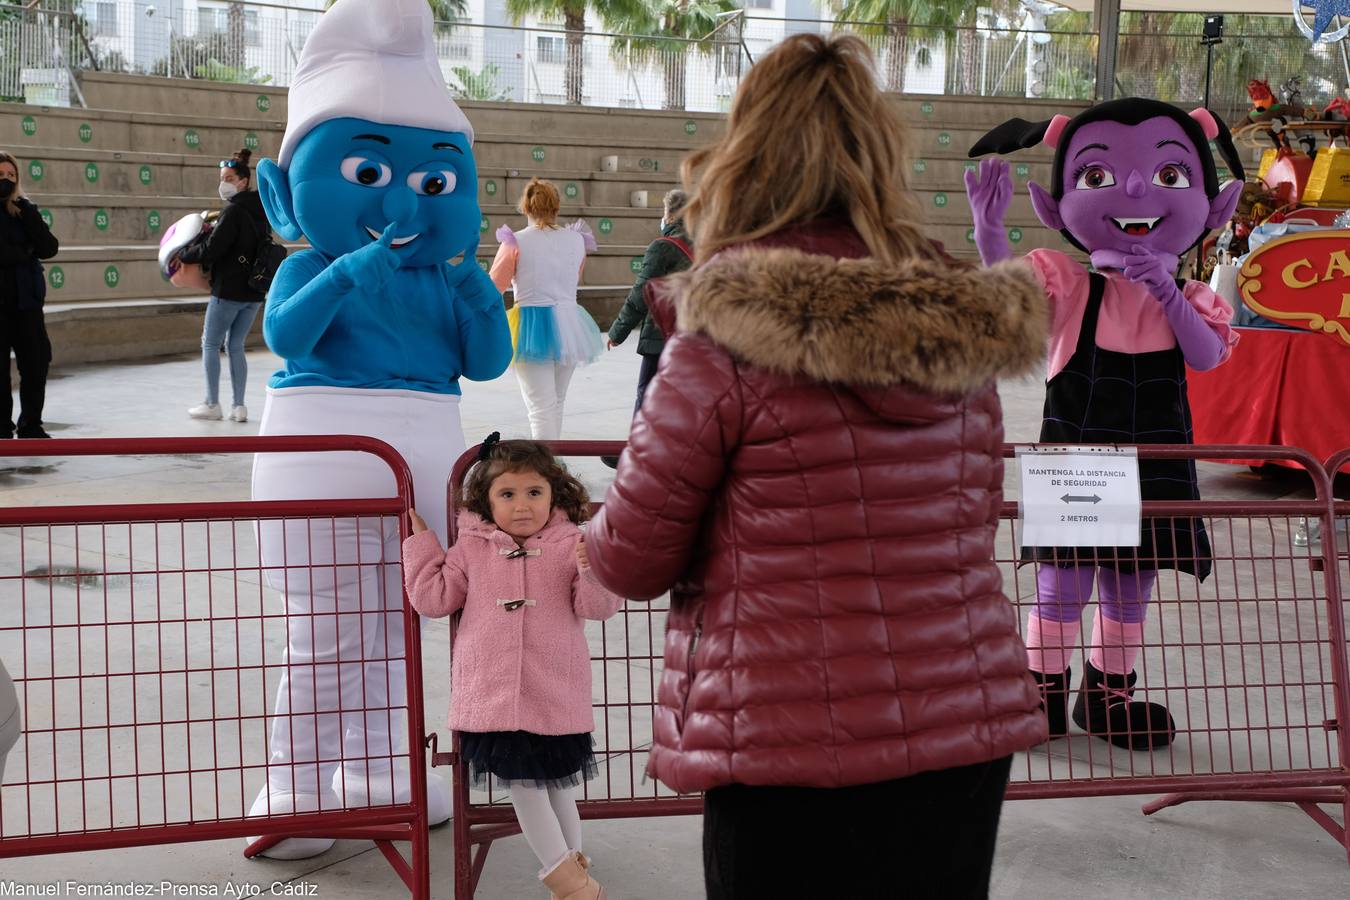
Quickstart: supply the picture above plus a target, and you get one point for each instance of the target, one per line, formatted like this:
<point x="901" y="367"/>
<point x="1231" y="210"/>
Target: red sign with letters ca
<point x="1302" y="280"/>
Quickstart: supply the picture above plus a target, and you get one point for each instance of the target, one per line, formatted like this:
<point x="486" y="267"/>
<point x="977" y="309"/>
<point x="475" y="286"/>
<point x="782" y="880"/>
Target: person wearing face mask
<point x="24" y="240"/>
<point x="228" y="253"/>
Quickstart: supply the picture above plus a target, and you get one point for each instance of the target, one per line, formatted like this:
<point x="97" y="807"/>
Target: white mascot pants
<point x="339" y="718"/>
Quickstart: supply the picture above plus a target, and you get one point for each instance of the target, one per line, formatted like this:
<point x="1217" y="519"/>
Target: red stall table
<point x="1279" y="387"/>
<point x="1286" y="386"/>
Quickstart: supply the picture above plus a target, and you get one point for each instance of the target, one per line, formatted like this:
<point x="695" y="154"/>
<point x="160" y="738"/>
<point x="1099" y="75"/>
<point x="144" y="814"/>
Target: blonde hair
<point x="540" y="201"/>
<point x="809" y="135"/>
<point x="12" y="201"/>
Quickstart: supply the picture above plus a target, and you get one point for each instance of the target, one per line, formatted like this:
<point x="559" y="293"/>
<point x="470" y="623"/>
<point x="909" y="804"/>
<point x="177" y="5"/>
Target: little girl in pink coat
<point x="521" y="667"/>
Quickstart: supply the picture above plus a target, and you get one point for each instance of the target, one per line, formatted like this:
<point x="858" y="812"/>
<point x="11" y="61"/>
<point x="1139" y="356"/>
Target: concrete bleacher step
<point x="105" y="272"/>
<point x="643" y="164"/>
<point x="529" y="154"/>
<point x="137" y="93"/>
<point x="611" y="225"/>
<point x="547" y="122"/>
<point x="115" y="219"/>
<point x="130" y="93"/>
<point x="919" y="111"/>
<point x="956" y="140"/>
<point x="585" y="187"/>
<point x="66" y="170"/>
<point x="948" y="173"/>
<point x="211" y="137"/>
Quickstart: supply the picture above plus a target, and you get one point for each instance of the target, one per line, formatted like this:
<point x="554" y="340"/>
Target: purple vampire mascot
<point x="1136" y="187"/>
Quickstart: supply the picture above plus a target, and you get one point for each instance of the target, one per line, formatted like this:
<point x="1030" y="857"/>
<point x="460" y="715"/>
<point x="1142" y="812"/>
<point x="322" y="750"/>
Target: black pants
<point x="645" y="375"/>
<point x="25" y="332"/>
<point x="927" y="836"/>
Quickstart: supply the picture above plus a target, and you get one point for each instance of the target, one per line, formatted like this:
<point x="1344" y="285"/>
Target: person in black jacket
<point x="669" y="253"/>
<point x="24" y="240"/>
<point x="228" y="253"/>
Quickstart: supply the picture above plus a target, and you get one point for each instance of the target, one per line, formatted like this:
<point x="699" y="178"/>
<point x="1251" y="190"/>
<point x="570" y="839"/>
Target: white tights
<point x="549" y="819"/>
<point x="544" y="388"/>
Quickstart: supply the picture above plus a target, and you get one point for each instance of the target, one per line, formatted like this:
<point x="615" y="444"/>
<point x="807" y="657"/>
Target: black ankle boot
<point x="1104" y="709"/>
<point x="1055" y="700"/>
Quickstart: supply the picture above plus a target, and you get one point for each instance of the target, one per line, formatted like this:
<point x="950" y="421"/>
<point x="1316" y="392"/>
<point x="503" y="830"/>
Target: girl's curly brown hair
<point x="569" y="495"/>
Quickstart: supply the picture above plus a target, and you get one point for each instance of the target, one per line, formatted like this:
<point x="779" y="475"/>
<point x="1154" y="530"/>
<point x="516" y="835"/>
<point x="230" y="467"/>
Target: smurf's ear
<point x="274" y="189"/>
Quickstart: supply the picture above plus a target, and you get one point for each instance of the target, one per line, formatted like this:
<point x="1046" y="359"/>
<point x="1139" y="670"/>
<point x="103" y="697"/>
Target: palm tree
<point x="671" y="29"/>
<point x="892" y="19"/>
<point x="236" y="29"/>
<point x="1254" y="47"/>
<point x="968" y="38"/>
<point x="573" y="14"/>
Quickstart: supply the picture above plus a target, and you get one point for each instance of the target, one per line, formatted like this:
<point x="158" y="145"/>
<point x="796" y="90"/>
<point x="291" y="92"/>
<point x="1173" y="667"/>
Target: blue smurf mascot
<point x="376" y="328"/>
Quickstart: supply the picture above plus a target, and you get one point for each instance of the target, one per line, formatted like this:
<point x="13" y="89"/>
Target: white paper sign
<point x="1079" y="496"/>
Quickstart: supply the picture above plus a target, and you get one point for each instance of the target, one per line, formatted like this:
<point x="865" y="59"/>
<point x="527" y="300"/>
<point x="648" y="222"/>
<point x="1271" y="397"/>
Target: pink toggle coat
<point x="526" y="668"/>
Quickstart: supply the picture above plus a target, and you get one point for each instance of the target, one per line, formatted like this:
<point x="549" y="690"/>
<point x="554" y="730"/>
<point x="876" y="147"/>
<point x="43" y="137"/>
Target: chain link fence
<point x="260" y="43"/>
<point x="40" y="52"/>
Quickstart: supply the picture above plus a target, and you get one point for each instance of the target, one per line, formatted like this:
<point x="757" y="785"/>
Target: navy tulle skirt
<point x="534" y="760"/>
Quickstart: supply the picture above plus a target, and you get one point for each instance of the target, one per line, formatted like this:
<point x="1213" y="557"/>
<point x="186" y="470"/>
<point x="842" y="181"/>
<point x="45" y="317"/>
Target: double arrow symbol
<point x="1070" y="498"/>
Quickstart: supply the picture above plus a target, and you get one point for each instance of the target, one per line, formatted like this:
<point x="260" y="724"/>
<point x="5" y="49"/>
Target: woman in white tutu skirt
<point x="550" y="333"/>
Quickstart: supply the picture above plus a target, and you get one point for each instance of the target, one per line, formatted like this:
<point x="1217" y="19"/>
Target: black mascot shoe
<point x="1104" y="709"/>
<point x="1055" y="700"/>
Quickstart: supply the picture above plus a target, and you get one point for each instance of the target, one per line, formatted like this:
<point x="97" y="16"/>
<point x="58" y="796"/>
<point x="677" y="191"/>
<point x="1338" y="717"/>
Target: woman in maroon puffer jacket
<point x="815" y="476"/>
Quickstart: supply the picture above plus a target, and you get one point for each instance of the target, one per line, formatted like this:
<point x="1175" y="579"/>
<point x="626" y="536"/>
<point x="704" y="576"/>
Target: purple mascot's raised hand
<point x="990" y="193"/>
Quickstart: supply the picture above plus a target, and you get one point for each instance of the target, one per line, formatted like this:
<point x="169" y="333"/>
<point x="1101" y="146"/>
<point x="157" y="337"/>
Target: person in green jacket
<point x="671" y="252"/>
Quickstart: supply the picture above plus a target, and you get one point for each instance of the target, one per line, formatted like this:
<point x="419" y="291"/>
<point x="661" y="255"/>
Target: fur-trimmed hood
<point x="865" y="323"/>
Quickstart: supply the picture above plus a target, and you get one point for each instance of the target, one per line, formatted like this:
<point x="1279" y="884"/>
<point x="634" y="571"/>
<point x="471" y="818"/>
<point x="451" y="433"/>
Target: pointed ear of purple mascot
<point x="376" y="328"/>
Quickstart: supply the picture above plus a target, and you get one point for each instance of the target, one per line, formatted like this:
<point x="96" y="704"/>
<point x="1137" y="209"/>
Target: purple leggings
<point x="1061" y="594"/>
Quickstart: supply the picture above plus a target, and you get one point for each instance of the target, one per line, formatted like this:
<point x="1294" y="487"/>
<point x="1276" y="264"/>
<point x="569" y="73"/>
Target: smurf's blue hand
<point x="308" y="292"/>
<point x="370" y="267"/>
<point x="480" y="317"/>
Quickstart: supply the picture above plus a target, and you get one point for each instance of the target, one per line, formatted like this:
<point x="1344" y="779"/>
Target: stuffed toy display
<point x="376" y="327"/>
<point x="1136" y="187"/>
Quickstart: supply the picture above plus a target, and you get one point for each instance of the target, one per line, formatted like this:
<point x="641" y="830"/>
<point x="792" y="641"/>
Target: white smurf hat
<point x="374" y="60"/>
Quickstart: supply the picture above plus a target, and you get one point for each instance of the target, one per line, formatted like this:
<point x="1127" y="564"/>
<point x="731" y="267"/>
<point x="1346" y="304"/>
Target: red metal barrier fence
<point x="146" y="646"/>
<point x="1251" y="663"/>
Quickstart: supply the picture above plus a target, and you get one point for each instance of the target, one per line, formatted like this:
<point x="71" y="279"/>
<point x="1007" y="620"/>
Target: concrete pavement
<point x="1092" y="848"/>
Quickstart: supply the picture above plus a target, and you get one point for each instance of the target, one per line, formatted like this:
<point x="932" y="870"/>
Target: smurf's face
<point x="350" y="178"/>
<point x="1127" y="186"/>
